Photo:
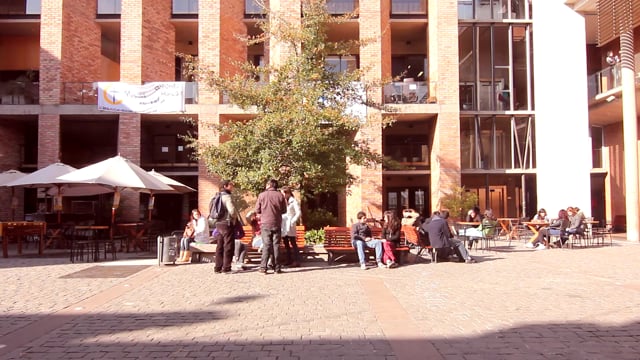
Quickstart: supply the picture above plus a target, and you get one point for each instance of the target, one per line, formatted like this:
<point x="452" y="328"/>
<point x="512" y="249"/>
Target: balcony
<point x="86" y="93"/>
<point x="406" y="92"/>
<point x="605" y="80"/>
<point x="408" y="7"/>
<point x="19" y="92"/>
<point x="340" y="7"/>
<point x="20" y="8"/>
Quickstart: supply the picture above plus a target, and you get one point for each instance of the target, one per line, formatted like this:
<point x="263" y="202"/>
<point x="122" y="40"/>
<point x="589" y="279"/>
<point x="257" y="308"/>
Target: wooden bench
<point x="337" y="244"/>
<point x="202" y="250"/>
<point x="253" y="252"/>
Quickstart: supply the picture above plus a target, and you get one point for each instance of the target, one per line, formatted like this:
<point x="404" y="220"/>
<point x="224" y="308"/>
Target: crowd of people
<point x="277" y="212"/>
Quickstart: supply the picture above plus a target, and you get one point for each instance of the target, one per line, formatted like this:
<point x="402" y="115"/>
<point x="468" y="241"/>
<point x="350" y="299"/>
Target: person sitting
<point x="442" y="240"/>
<point x="196" y="230"/>
<point x="541" y="215"/>
<point x="472" y="234"/>
<point x="576" y="222"/>
<point x="390" y="238"/>
<point x="361" y="237"/>
<point x="556" y="228"/>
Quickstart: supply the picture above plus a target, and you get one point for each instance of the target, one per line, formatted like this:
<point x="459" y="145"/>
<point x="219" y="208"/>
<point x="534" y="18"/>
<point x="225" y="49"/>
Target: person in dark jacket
<point x="361" y="238"/>
<point x="442" y="240"/>
<point x="271" y="205"/>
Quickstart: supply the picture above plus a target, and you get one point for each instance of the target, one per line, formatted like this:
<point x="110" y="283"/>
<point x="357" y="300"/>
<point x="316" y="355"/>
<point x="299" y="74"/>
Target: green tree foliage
<point x="458" y="200"/>
<point x="303" y="132"/>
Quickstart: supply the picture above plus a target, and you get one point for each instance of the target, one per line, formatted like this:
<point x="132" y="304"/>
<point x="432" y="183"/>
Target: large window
<point x="341" y="63"/>
<point x="597" y="141"/>
<point x="494" y="9"/>
<point x="185" y="6"/>
<point x="491" y="142"/>
<point x="341" y="6"/>
<point x="495" y="67"/>
<point x="109" y="7"/>
<point x="408" y="7"/>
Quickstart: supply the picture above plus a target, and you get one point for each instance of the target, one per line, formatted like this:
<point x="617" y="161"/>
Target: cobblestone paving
<point x="513" y="304"/>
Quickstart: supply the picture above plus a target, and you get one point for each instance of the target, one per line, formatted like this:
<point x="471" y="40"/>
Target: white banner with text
<point x="154" y="97"/>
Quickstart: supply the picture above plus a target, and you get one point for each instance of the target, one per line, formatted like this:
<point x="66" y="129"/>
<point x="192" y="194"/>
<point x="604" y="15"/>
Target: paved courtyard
<point x="513" y="304"/>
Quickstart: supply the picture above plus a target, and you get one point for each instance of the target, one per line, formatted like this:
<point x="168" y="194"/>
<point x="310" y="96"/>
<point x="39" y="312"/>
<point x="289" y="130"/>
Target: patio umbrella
<point x="118" y="173"/>
<point x="9" y="176"/>
<point x="48" y="177"/>
<point x="176" y="186"/>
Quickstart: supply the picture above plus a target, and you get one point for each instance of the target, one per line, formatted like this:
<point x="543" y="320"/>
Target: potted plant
<point x="458" y="200"/>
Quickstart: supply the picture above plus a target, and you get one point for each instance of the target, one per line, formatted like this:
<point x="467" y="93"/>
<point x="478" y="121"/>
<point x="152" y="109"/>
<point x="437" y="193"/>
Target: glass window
<point x="341" y="63"/>
<point x="109" y="7"/>
<point x="341" y="6"/>
<point x="408" y="7"/>
<point x="597" y="141"/>
<point x="34" y="7"/>
<point x="494" y="9"/>
<point x="185" y="6"/>
<point x="252" y="7"/>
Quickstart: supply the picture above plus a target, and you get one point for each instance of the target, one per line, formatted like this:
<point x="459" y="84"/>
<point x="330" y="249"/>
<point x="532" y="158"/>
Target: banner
<point x="155" y="97"/>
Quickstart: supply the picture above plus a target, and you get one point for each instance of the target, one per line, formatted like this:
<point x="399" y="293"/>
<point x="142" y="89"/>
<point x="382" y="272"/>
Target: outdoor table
<point x="19" y="229"/>
<point x="134" y="232"/>
<point x="465" y="225"/>
<point x="91" y="231"/>
<point x="535" y="227"/>
<point x="508" y="227"/>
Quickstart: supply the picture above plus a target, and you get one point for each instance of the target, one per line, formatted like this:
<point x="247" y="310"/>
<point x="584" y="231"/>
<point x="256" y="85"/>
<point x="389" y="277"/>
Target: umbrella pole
<point x="13" y="208"/>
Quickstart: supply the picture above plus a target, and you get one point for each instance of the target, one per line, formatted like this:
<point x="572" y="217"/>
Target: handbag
<point x="238" y="231"/>
<point x="211" y="222"/>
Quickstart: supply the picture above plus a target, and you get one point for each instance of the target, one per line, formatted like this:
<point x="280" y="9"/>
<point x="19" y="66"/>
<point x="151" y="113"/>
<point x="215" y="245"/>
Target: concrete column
<point x="443" y="75"/>
<point x="630" y="131"/>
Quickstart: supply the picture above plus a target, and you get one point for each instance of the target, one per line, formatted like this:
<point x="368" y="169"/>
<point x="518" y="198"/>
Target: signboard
<point x="154" y="97"/>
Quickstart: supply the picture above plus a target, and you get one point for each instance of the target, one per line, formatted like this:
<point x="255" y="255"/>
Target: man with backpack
<point x="225" y="216"/>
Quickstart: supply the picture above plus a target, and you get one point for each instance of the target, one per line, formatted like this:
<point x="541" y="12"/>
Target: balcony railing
<point x="604" y="80"/>
<point x="86" y="93"/>
<point x="185" y="7"/>
<point x="109" y="7"/>
<point x="19" y="92"/>
<point x="15" y="8"/>
<point x="339" y="7"/>
<point x="408" y="7"/>
<point x="406" y="92"/>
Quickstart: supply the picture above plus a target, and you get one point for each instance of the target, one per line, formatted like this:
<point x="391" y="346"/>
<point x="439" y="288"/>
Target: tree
<point x="458" y="200"/>
<point x="304" y="130"/>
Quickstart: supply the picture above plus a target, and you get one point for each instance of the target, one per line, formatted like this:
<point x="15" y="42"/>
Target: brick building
<point x="484" y="98"/>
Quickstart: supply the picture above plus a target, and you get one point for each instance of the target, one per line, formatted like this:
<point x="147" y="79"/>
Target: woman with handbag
<point x="196" y="230"/>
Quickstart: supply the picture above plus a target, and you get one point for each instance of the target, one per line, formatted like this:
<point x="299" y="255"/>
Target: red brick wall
<point x="80" y="43"/>
<point x="217" y="50"/>
<point x="12" y="136"/>
<point x="443" y="69"/>
<point x="50" y="52"/>
<point x="129" y="132"/>
<point x="48" y="139"/>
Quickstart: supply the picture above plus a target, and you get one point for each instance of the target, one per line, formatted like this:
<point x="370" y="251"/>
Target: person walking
<point x="289" y="221"/>
<point x="225" y="235"/>
<point x="271" y="205"/>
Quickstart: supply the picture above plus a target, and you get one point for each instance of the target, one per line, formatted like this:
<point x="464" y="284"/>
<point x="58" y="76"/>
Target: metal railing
<point x="406" y="92"/>
<point x="86" y="93"/>
<point x="604" y="80"/>
<point x="19" y="92"/>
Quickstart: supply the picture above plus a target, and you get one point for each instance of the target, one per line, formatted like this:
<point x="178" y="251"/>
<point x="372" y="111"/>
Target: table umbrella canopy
<point x="118" y="173"/>
<point x="45" y="177"/>
<point x="177" y="187"/>
<point x="9" y="176"/>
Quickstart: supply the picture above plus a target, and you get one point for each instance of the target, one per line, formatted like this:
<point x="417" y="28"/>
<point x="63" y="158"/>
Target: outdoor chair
<point x="412" y="237"/>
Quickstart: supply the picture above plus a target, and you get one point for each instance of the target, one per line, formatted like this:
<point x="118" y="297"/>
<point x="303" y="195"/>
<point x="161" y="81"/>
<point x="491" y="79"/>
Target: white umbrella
<point x="177" y="188"/>
<point x="9" y="176"/>
<point x="48" y="177"/>
<point x="118" y="173"/>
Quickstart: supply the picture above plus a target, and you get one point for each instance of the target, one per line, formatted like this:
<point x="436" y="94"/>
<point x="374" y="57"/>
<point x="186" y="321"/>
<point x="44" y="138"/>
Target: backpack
<point x="217" y="210"/>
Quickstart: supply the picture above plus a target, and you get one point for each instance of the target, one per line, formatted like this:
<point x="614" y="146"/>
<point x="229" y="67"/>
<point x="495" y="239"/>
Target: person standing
<point x="225" y="235"/>
<point x="271" y="205"/>
<point x="289" y="221"/>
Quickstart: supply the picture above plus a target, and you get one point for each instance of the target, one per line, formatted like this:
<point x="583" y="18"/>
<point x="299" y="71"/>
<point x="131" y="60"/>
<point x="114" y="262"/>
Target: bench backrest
<point x="300" y="231"/>
<point x="337" y="236"/>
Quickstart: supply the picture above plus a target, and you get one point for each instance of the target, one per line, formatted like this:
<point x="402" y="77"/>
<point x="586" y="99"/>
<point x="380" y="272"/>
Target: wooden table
<point x="19" y="229"/>
<point x="508" y="227"/>
<point x="134" y="232"/>
<point x="535" y="227"/>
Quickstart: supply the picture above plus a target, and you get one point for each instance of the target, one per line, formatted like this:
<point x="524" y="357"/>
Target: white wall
<point x="563" y="147"/>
